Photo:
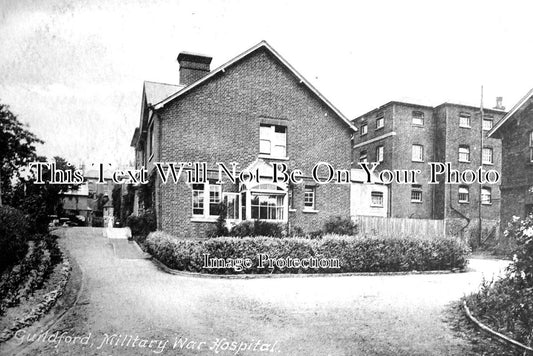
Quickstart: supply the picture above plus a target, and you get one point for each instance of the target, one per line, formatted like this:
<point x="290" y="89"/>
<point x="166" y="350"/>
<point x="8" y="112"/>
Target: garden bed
<point x="331" y="254"/>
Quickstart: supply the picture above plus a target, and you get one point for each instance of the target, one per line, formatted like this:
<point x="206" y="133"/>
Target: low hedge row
<point x="354" y="254"/>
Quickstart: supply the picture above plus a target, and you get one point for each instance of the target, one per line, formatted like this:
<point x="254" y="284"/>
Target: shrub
<point x="14" y="231"/>
<point x="142" y="225"/>
<point x="340" y="226"/>
<point x="220" y="228"/>
<point x="354" y="254"/>
<point x="257" y="228"/>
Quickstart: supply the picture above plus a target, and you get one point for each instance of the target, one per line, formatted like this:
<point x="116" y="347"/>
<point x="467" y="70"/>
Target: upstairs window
<point x="417" y="153"/>
<point x="464" y="194"/>
<point x="487" y="123"/>
<point x="487" y="155"/>
<point x="379" y="154"/>
<point x="364" y="129"/>
<point x="273" y="140"/>
<point x="486" y="196"/>
<point x="380" y="121"/>
<point x="464" y="153"/>
<point x="418" y="118"/>
<point x="416" y="193"/>
<point x="376" y="199"/>
<point x="464" y="120"/>
<point x="309" y="198"/>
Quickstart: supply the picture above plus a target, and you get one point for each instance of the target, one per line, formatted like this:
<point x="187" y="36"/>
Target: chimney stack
<point x="499" y="103"/>
<point x="193" y="67"/>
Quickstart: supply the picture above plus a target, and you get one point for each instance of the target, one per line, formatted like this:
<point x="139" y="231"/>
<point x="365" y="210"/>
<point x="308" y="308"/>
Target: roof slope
<point x="157" y="92"/>
<point x="510" y="114"/>
<point x="262" y="44"/>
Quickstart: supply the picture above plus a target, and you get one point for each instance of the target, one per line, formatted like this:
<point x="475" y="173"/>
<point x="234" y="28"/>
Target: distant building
<point x="516" y="132"/>
<point x="407" y="136"/>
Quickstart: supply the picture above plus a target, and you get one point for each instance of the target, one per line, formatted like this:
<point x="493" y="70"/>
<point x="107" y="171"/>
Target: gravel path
<point x="150" y="312"/>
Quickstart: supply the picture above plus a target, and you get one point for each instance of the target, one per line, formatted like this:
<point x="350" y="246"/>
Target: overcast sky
<point x="73" y="70"/>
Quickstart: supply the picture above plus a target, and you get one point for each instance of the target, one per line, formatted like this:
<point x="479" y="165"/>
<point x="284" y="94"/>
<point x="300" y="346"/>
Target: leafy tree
<point x="17" y="148"/>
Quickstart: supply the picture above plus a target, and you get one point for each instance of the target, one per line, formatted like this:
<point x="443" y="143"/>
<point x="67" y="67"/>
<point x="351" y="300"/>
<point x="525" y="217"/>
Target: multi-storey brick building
<point x="516" y="132"/>
<point x="403" y="136"/>
<point x="253" y="110"/>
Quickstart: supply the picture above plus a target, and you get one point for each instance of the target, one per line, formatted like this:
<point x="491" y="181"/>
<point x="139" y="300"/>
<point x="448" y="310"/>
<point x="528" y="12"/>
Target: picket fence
<point x="381" y="226"/>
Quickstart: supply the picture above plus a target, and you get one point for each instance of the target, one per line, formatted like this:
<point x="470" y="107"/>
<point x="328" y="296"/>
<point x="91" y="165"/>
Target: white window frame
<point x="466" y="151"/>
<point x="379" y="196"/>
<point x="380" y="122"/>
<point x="466" y="117"/>
<point x="464" y="193"/>
<point x="276" y="141"/>
<point x="380" y="153"/>
<point x="487" y="123"/>
<point x="205" y="200"/>
<point x="417" y="118"/>
<point x="488" y="155"/>
<point x="486" y="193"/>
<point x="364" y="129"/>
<point x="309" y="197"/>
<point x="417" y="189"/>
<point x="417" y="156"/>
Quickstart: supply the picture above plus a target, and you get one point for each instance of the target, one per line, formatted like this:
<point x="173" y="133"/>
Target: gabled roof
<point x="511" y="113"/>
<point x="157" y="92"/>
<point x="265" y="45"/>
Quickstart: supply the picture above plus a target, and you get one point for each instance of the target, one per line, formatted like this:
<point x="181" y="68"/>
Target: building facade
<point x="404" y="136"/>
<point x="516" y="132"/>
<point x="255" y="110"/>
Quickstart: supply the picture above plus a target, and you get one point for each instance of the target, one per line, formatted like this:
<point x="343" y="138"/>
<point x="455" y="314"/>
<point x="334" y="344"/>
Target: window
<point x="198" y="199"/>
<point x="363" y="156"/>
<point x="380" y="121"/>
<point x="290" y="195"/>
<point x="379" y="154"/>
<point x="418" y="118"/>
<point x="416" y="193"/>
<point x="273" y="140"/>
<point x="486" y="196"/>
<point x="202" y="206"/>
<point x="364" y="129"/>
<point x="309" y="198"/>
<point x="417" y="153"/>
<point x="487" y="123"/>
<point x="376" y="199"/>
<point x="464" y="120"/>
<point x="487" y="155"/>
<point x="531" y="146"/>
<point x="267" y="206"/>
<point x="464" y="153"/>
<point x="464" y="195"/>
<point x="231" y="200"/>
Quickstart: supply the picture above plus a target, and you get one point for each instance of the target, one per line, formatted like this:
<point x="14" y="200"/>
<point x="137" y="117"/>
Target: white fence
<point x="380" y="226"/>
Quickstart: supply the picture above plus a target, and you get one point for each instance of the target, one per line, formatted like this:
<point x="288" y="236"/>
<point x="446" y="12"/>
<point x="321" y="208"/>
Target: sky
<point x="73" y="70"/>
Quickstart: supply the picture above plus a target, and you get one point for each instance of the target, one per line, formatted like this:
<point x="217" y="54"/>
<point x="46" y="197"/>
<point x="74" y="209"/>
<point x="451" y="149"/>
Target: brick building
<point x="516" y="132"/>
<point x="403" y="136"/>
<point x="254" y="110"/>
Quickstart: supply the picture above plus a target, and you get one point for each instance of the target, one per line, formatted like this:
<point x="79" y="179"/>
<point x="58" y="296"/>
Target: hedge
<point x="14" y="232"/>
<point x="354" y="254"/>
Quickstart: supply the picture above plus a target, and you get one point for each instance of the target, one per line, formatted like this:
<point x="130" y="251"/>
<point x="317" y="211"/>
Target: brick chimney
<point x="193" y="67"/>
<point x="499" y="103"/>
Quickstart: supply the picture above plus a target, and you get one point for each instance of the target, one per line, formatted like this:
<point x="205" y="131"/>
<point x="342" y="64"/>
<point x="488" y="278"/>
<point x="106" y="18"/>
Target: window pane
<point x="418" y="118"/>
<point x="309" y="197"/>
<point x="464" y="120"/>
<point x="464" y="154"/>
<point x="487" y="155"/>
<point x="487" y="124"/>
<point x="416" y="193"/>
<point x="264" y="147"/>
<point x="464" y="195"/>
<point x="377" y="199"/>
<point x="379" y="154"/>
<point x="417" y="153"/>
<point x="486" y="197"/>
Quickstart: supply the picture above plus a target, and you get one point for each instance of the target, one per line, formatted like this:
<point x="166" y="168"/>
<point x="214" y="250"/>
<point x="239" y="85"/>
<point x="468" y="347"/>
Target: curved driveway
<point x="129" y="307"/>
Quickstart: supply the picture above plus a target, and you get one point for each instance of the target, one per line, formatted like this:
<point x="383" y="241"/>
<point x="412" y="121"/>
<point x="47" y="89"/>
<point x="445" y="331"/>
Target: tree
<point x="17" y="148"/>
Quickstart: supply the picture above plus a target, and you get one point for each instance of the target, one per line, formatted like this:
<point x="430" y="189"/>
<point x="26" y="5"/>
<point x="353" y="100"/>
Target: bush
<point x="257" y="228"/>
<point x="142" y="225"/>
<point x="340" y="226"/>
<point x="354" y="254"/>
<point x="14" y="231"/>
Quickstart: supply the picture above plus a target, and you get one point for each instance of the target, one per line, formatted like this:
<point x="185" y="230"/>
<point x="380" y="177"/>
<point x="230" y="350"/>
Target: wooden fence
<point x="380" y="226"/>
